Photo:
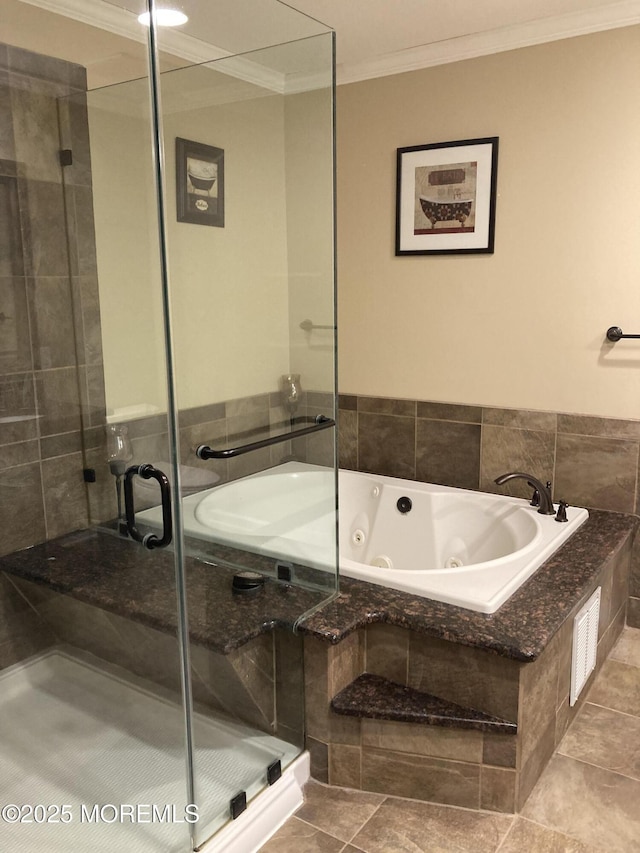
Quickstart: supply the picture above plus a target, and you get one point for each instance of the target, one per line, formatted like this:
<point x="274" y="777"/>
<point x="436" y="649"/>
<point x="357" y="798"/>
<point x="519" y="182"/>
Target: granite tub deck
<point x="404" y="695"/>
<point x="113" y="599"/>
<point x="384" y="673"/>
<point x="121" y="577"/>
<point x="520" y="629"/>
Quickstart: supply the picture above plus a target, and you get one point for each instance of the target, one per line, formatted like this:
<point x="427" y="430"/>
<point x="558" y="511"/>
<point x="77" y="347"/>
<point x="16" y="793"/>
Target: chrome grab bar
<point x="206" y="452"/>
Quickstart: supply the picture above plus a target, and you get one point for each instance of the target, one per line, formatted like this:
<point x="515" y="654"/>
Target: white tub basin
<point x="471" y="549"/>
<point x="253" y="510"/>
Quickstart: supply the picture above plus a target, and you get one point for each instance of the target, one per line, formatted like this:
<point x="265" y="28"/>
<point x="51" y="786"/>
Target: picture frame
<point x="446" y="197"/>
<point x="199" y="183"/>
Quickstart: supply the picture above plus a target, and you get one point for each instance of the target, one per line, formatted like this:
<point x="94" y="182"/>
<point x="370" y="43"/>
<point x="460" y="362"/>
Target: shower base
<point x="79" y="736"/>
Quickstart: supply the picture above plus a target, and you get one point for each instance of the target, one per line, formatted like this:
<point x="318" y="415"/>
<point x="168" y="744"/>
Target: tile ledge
<point x="374" y="697"/>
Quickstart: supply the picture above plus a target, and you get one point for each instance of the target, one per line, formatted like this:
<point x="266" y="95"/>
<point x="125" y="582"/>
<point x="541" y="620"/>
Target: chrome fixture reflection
<point x="291" y="392"/>
<point x="119" y="454"/>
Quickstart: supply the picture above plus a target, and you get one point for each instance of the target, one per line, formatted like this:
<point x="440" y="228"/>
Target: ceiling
<point x="369" y="28"/>
<point x="374" y="37"/>
<point x="378" y="37"/>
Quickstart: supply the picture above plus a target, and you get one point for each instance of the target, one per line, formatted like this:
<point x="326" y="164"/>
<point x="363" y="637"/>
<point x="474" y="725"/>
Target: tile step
<point x="375" y="697"/>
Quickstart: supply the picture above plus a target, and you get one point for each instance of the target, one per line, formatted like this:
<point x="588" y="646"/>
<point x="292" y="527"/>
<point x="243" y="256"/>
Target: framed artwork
<point x="199" y="183"/>
<point x="446" y="198"/>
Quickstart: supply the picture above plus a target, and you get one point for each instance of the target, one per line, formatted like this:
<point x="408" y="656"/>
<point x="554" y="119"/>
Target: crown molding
<point x="623" y="14"/>
<point x="97" y="13"/>
<point x="122" y="22"/>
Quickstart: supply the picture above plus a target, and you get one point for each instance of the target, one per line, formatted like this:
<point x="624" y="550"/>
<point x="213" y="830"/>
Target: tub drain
<point x="381" y="562"/>
<point x="453" y="563"/>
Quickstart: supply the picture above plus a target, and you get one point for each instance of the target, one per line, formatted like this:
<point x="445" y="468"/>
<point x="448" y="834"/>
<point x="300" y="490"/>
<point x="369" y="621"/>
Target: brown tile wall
<point x="591" y="461"/>
<point x="50" y="357"/>
<point x="50" y="360"/>
<point x="458" y="767"/>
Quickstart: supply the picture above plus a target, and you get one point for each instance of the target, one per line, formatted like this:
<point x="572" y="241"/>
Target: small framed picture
<point x="446" y="197"/>
<point x="199" y="183"/>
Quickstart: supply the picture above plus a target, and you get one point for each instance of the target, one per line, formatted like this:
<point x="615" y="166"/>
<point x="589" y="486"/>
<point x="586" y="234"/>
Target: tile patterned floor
<point x="586" y="801"/>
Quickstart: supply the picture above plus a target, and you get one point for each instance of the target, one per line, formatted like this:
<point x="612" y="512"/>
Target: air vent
<point x="585" y="645"/>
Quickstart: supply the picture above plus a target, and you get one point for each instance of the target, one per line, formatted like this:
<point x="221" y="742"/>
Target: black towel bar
<point x="206" y="452"/>
<point x="614" y="333"/>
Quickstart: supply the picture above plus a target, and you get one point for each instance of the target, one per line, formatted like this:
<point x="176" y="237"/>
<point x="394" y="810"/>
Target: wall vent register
<point x="585" y="644"/>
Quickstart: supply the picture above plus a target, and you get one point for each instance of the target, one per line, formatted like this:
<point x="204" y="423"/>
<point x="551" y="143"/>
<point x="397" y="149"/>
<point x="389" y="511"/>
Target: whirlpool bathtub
<point x="471" y="549"/>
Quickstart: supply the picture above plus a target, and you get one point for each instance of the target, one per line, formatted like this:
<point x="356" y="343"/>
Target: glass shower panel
<point x="127" y="329"/>
<point x="249" y="169"/>
<point x="249" y="180"/>
<point x="131" y="659"/>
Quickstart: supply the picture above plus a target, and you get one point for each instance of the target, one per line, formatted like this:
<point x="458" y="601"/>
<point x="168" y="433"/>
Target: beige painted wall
<point x="238" y="293"/>
<point x="523" y="327"/>
<point x="309" y="180"/>
<point x="229" y="288"/>
<point x="127" y="249"/>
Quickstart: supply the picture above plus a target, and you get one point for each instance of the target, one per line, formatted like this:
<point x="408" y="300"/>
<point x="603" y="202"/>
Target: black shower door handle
<point x="148" y="472"/>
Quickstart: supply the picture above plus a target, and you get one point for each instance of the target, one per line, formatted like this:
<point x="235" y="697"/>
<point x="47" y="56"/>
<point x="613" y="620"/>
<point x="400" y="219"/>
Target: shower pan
<point x="165" y="709"/>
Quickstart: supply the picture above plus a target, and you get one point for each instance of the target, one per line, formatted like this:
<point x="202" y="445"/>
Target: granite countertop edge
<point x="104" y="571"/>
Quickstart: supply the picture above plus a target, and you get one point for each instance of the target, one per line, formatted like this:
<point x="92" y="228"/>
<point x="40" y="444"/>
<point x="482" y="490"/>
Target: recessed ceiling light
<point x="164" y="18"/>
